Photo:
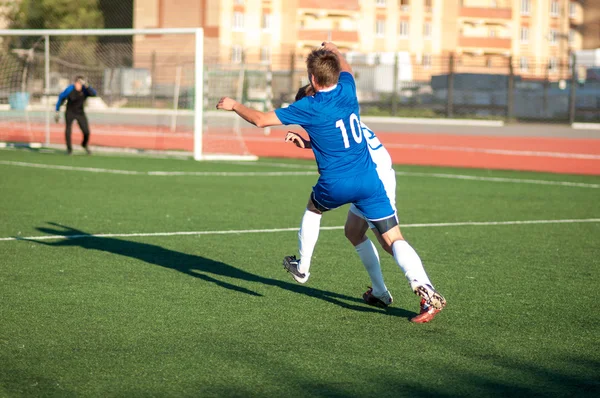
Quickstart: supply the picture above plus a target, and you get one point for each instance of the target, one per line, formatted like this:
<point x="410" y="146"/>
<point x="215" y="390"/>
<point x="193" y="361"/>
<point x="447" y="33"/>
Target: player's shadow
<point x="199" y="267"/>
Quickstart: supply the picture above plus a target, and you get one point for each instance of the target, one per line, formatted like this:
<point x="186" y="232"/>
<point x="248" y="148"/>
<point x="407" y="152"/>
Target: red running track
<point x="556" y="155"/>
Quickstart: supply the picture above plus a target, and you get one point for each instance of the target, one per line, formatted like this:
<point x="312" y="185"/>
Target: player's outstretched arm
<point x="334" y="49"/>
<point x="297" y="140"/>
<point x="257" y="118"/>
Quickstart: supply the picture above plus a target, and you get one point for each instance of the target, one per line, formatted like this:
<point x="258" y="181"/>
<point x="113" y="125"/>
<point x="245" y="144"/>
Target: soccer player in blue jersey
<point x="357" y="225"/>
<point x="347" y="172"/>
<point x="75" y="95"/>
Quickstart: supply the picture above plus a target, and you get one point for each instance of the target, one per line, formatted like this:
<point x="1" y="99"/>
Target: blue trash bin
<point x="18" y="101"/>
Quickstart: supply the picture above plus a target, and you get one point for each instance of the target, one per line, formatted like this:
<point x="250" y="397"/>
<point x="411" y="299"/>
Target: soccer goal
<point x="152" y="84"/>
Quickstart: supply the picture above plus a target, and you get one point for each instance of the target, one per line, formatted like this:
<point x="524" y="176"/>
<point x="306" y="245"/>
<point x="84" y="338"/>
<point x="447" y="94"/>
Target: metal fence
<point x="454" y="87"/>
<point x="388" y="84"/>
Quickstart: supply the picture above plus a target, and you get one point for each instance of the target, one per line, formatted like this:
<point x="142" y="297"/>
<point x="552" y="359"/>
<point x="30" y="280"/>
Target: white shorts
<point x="388" y="178"/>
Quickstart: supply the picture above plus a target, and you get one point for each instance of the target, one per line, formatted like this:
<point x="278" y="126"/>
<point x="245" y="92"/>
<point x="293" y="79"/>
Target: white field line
<point x="439" y="121"/>
<point x="498" y="179"/>
<point x="274" y="230"/>
<point x="586" y="126"/>
<point x="120" y="131"/>
<point x="507" y="152"/>
<point x="291" y="173"/>
<point x="161" y="173"/>
<point x="449" y="148"/>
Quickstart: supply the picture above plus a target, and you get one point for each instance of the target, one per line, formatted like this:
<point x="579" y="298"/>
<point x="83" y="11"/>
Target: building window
<point x="238" y="21"/>
<point x="236" y="54"/>
<point x="492" y="32"/>
<point x="403" y="29"/>
<point x="572" y="36"/>
<point x="267" y="21"/>
<point x="572" y="9"/>
<point x="553" y="65"/>
<point x="428" y="5"/>
<point x="380" y="3"/>
<point x="523" y="64"/>
<point x="427" y="30"/>
<point x="524" y="34"/>
<point x="525" y="7"/>
<point x="554" y="8"/>
<point x="404" y="5"/>
<point x="265" y="55"/>
<point x="426" y="61"/>
<point x="380" y="28"/>
<point x="553" y="37"/>
<point x="488" y="62"/>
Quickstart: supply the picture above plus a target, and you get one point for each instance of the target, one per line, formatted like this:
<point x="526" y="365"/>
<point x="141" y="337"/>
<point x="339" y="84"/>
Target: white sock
<point x="370" y="259"/>
<point x="307" y="238"/>
<point x="410" y="263"/>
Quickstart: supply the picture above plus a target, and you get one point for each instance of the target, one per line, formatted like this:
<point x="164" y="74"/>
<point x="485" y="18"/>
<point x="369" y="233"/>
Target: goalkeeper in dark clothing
<point x="75" y="95"/>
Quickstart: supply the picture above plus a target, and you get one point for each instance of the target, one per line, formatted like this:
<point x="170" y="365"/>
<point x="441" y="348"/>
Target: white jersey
<point x="382" y="159"/>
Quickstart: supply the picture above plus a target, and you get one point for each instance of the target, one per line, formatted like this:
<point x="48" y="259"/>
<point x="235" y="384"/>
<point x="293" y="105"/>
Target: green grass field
<point x="216" y="314"/>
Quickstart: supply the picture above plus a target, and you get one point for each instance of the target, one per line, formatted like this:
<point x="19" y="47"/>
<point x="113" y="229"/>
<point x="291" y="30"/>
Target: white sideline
<point x="437" y="121"/>
<point x="498" y="179"/>
<point x="400" y="120"/>
<point x="291" y="173"/>
<point x="586" y="126"/>
<point x="272" y="230"/>
<point x="449" y="148"/>
<point x="161" y="173"/>
<point x="492" y="151"/>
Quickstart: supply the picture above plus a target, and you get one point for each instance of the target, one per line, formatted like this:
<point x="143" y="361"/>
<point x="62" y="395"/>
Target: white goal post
<point x="139" y="100"/>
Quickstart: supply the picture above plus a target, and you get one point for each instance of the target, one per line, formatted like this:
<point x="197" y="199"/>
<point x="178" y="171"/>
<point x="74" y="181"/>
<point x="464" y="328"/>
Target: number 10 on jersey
<point x="354" y="127"/>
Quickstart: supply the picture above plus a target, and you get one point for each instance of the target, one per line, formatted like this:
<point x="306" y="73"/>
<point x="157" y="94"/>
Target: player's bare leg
<point x="382" y="242"/>
<point x="410" y="263"/>
<point x="355" y="230"/>
<point x="307" y="240"/>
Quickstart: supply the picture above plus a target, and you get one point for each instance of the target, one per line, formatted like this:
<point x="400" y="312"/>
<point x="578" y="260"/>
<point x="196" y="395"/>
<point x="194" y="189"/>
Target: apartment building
<point x="591" y="25"/>
<point x="539" y="35"/>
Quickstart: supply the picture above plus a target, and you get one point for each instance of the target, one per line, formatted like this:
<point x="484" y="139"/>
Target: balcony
<point x="346" y="5"/>
<point x="485" y="42"/>
<point x="486" y="12"/>
<point x="322" y="34"/>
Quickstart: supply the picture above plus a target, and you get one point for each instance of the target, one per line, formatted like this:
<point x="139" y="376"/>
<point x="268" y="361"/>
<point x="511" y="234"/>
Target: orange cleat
<point x="427" y="313"/>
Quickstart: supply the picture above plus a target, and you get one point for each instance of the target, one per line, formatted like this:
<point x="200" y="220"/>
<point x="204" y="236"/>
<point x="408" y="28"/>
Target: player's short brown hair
<point x="324" y="65"/>
<point x="304" y="91"/>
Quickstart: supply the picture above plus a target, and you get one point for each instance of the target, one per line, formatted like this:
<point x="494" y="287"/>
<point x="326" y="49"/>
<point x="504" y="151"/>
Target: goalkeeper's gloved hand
<point x="56" y="117"/>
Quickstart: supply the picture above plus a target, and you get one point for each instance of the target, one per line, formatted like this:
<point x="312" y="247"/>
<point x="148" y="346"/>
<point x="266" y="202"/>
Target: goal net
<point x="155" y="92"/>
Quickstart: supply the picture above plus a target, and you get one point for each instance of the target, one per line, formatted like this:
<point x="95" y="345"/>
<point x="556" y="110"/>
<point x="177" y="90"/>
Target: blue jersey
<point x="75" y="99"/>
<point x="331" y="119"/>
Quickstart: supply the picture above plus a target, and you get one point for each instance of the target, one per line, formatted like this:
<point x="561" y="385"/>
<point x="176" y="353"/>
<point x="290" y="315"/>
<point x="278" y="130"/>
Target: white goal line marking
<point x="291" y="173"/>
<point x="450" y="148"/>
<point x="272" y="230"/>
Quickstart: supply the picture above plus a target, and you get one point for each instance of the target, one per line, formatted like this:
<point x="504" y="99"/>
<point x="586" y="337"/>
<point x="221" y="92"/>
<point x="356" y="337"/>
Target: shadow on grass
<point x="200" y="267"/>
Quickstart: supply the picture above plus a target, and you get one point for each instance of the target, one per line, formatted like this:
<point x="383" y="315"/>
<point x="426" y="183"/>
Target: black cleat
<point x="291" y="265"/>
<point x="382" y="301"/>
